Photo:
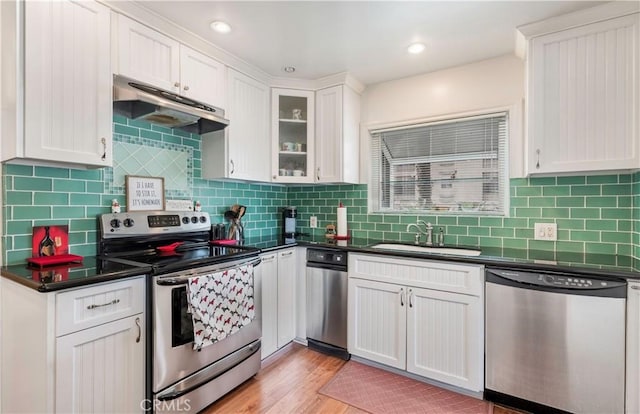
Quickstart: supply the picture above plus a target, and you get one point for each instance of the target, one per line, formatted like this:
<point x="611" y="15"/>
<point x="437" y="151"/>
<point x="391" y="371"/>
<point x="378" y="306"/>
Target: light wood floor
<point x="288" y="383"/>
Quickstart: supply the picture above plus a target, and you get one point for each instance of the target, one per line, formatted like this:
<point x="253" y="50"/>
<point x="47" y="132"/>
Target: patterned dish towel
<point x="220" y="304"/>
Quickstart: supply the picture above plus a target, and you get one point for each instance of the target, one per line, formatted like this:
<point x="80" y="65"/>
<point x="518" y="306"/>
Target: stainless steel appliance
<point x="178" y="377"/>
<point x="555" y="341"/>
<point x="289" y="215"/>
<point x="327" y="301"/>
<point x="137" y="100"/>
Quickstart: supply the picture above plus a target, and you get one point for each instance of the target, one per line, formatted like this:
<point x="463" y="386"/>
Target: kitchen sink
<point x="426" y="249"/>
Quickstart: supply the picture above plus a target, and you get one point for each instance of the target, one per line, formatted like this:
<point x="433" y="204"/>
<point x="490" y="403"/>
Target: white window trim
<point x="515" y="136"/>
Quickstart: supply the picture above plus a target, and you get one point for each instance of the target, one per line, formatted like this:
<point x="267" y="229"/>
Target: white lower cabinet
<point x="83" y="351"/>
<point x="278" y="300"/>
<point x="444" y="337"/>
<point x="633" y="348"/>
<point x="377" y="324"/>
<point x="101" y="368"/>
<point x="434" y="333"/>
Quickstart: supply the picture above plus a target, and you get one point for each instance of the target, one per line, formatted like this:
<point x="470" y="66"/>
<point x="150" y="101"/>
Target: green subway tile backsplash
<point x="595" y="214"/>
<point x="80" y="195"/>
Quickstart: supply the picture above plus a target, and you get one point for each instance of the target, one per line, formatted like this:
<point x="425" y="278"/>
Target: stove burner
<point x="166" y="241"/>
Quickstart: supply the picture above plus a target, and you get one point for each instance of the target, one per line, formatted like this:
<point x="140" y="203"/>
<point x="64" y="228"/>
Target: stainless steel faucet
<point x="428" y="231"/>
<point x="418" y="231"/>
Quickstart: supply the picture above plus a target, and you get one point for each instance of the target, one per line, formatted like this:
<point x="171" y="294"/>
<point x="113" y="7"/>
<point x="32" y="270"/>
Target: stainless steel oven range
<point x="177" y="245"/>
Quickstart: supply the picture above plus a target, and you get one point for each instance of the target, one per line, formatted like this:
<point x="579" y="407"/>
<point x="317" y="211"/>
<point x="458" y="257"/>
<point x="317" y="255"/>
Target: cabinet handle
<point x="538" y="158"/>
<point x="139" y="330"/>
<point x="268" y="259"/>
<point x="318" y="174"/>
<point x="103" y="141"/>
<point x="410" y="297"/>
<point x="186" y="87"/>
<point x="635" y="287"/>
<point x="402" y="297"/>
<point x="233" y="167"/>
<point x="113" y="302"/>
<point x="286" y="254"/>
<point x="177" y="84"/>
<point x="275" y="177"/>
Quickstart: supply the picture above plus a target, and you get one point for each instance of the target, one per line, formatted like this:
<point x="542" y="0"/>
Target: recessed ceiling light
<point x="220" y="26"/>
<point x="415" y="48"/>
<point x="289" y="69"/>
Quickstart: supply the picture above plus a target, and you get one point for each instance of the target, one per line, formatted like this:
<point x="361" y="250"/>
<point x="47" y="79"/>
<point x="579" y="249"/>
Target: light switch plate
<point x="546" y="231"/>
<point x="313" y="222"/>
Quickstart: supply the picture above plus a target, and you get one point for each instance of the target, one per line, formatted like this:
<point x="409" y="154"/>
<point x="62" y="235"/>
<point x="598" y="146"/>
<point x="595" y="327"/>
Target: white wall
<point x="477" y="87"/>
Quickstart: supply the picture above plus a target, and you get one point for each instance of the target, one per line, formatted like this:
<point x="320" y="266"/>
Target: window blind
<point x="457" y="165"/>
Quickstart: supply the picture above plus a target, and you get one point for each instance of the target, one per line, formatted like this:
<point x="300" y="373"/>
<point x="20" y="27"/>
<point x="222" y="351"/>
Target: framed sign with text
<point x="144" y="193"/>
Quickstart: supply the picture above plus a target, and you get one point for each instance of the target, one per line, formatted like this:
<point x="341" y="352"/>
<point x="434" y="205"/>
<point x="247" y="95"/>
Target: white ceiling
<point x="366" y="38"/>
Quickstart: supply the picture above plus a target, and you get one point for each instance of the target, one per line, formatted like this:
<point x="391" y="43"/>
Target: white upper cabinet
<point x="292" y="123"/>
<point x="66" y="84"/>
<point x="583" y="95"/>
<point x="244" y="152"/>
<point x="337" y="135"/>
<point x="201" y="77"/>
<point x="149" y="56"/>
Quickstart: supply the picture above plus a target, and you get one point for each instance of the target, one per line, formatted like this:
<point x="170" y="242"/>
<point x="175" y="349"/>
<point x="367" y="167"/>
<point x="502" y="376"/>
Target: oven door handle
<point x="183" y="280"/>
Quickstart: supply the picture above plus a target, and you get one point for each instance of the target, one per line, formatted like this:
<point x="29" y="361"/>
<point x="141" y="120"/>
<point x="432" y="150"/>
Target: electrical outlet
<point x="313" y="222"/>
<point x="546" y="231"/>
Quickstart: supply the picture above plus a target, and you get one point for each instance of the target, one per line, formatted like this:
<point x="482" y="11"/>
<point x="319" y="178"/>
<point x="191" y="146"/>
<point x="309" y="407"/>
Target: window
<point x="456" y="165"/>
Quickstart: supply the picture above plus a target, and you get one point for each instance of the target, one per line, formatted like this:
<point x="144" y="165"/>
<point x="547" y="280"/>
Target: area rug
<point x="381" y="392"/>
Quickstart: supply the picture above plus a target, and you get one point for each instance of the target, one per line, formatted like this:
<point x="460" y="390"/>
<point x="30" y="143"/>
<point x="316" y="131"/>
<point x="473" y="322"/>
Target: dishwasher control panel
<point x="575" y="281"/>
<point x="326" y="256"/>
<point x="566" y="281"/>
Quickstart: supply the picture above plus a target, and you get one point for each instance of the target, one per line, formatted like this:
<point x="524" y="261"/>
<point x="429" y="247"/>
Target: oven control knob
<point x="203" y="219"/>
<point x="128" y="222"/>
<point x="549" y="279"/>
<point x="194" y="219"/>
<point x="115" y="223"/>
<point x="185" y="220"/>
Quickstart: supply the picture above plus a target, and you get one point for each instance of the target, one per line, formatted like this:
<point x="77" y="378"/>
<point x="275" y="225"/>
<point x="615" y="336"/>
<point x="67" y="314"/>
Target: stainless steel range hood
<point x="137" y="100"/>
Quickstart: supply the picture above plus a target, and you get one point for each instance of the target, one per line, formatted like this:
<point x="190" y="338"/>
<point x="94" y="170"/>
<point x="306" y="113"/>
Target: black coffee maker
<point x="289" y="216"/>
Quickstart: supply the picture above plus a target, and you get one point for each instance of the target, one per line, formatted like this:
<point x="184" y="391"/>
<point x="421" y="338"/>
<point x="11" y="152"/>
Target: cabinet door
<point x="147" y="55"/>
<point x="248" y="131"/>
<point x="202" y="78"/>
<point x="633" y="348"/>
<point x="329" y="134"/>
<point x="337" y="135"/>
<point x="269" y="272"/>
<point x="584" y="95"/>
<point x="101" y="369"/>
<point x="286" y="297"/>
<point x="377" y="322"/>
<point x="445" y="337"/>
<point x="292" y="123"/>
<point x="68" y="104"/>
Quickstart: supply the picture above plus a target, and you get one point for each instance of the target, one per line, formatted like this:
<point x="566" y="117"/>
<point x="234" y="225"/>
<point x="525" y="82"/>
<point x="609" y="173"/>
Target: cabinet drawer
<point x="444" y="276"/>
<point x="92" y="306"/>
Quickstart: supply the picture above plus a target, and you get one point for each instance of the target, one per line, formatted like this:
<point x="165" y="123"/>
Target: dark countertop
<point x="95" y="270"/>
<point x="539" y="260"/>
<point x="51" y="278"/>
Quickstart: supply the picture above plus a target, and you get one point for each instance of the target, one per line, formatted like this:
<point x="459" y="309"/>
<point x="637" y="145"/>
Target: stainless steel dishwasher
<point x="327" y="301"/>
<point x="555" y="341"/>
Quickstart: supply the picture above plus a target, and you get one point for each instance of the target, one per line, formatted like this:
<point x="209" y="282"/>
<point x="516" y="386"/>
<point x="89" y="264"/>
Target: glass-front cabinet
<point x="293" y="135"/>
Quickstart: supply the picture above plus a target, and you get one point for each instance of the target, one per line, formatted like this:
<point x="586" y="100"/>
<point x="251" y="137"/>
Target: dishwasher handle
<point x="327" y="266"/>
